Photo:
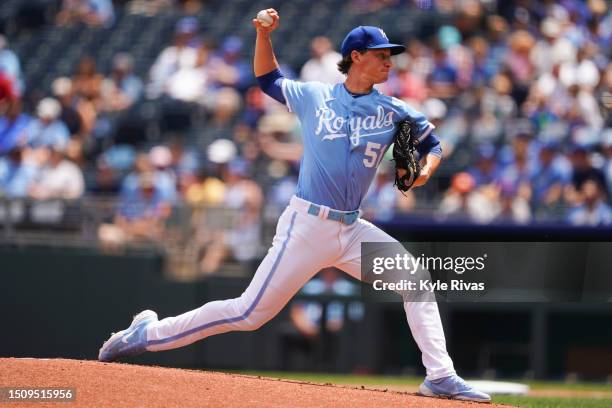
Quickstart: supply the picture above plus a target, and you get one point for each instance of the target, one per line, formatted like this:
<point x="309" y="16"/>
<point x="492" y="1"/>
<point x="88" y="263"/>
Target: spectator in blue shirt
<point x="518" y="171"/>
<point x="98" y="13"/>
<point x="48" y="130"/>
<point x="485" y="170"/>
<point x="443" y="78"/>
<point x="118" y="93"/>
<point x="513" y="209"/>
<point x="146" y="202"/>
<point x="231" y="69"/>
<point x="607" y="151"/>
<point x="483" y="70"/>
<point x="16" y="176"/>
<point x="13" y="126"/>
<point x="165" y="184"/>
<point x="582" y="170"/>
<point x="593" y="211"/>
<point x="122" y="88"/>
<point x="547" y="179"/>
<point x="140" y="217"/>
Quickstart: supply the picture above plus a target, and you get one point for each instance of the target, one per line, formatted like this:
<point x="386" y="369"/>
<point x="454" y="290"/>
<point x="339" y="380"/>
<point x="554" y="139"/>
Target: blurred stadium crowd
<point x="159" y="107"/>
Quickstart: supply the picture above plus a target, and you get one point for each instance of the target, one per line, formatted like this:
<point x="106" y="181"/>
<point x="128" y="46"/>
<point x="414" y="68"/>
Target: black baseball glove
<point x="404" y="155"/>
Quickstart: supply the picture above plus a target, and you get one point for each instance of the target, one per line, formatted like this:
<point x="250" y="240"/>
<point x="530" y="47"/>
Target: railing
<point x="33" y="222"/>
<point x="190" y="231"/>
<point x="79" y="223"/>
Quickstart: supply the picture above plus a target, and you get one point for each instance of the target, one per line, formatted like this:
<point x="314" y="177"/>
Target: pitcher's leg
<point x="426" y="327"/>
<point x="423" y="317"/>
<point x="284" y="270"/>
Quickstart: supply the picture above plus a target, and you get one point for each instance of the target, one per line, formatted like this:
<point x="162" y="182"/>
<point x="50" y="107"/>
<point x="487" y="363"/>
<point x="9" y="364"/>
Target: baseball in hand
<point x="264" y="18"/>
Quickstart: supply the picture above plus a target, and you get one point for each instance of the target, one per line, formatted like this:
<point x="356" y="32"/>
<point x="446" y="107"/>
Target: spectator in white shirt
<point x="323" y="64"/>
<point x="180" y="55"/>
<point x="59" y="179"/>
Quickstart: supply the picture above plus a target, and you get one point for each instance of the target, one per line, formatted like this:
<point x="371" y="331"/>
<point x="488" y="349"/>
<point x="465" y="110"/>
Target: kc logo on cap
<point x="368" y="38"/>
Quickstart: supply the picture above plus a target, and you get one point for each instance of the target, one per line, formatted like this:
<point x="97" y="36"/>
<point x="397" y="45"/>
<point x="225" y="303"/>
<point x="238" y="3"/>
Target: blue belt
<point x="347" y="218"/>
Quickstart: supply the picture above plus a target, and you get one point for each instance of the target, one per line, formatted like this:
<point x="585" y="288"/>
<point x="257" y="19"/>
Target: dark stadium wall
<point x="63" y="302"/>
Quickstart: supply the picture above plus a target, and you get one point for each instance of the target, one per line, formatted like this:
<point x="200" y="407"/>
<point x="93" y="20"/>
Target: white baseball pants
<point x="303" y="245"/>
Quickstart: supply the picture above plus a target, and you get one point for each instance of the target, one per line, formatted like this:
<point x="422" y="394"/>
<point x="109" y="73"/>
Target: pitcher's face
<point x="375" y="64"/>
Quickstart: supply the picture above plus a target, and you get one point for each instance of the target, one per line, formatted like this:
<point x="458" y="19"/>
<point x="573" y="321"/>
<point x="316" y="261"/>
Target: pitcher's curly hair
<point x="345" y="64"/>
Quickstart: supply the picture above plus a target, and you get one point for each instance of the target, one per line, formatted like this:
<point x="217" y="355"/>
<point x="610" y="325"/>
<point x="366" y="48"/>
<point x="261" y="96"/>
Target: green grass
<point x="344" y="379"/>
<point x="541" y="402"/>
<point x="523" y="402"/>
<point x="558" y="385"/>
<point x="349" y="379"/>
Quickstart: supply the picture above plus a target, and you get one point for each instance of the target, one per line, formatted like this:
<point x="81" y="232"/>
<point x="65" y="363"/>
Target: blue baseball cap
<point x="486" y="151"/>
<point x="232" y="45"/>
<point x="368" y="38"/>
<point x="186" y="25"/>
<point x="550" y="145"/>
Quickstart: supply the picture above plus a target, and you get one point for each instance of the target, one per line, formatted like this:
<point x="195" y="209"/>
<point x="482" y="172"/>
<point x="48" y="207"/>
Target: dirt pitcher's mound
<point x="124" y="385"/>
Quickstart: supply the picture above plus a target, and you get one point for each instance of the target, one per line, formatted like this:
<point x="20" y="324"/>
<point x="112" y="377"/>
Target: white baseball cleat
<point x="452" y="387"/>
<point x="129" y="342"/>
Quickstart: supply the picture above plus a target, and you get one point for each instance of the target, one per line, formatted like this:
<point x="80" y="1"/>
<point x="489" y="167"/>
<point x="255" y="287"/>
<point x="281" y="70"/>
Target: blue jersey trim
<point x="270" y="84"/>
<point x="356" y="95"/>
<point x="429" y="145"/>
<point x="247" y="313"/>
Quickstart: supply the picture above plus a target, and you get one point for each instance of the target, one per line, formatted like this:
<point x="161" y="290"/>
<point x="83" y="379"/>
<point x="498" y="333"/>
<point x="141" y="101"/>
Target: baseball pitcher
<point x="347" y="128"/>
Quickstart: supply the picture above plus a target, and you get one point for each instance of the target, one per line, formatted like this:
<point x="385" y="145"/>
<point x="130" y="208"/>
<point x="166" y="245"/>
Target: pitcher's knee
<point x="250" y="318"/>
<point x="254" y="321"/>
